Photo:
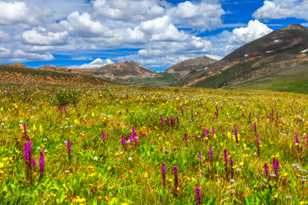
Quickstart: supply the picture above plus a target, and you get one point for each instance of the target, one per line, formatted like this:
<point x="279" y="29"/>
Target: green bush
<point x="65" y="97"/>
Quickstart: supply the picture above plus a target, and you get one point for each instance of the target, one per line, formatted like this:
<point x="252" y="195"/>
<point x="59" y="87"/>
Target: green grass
<point x="164" y="80"/>
<point x="295" y="80"/>
<point x="105" y="172"/>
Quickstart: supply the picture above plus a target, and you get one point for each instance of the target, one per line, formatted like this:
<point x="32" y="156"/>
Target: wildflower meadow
<point x="133" y="145"/>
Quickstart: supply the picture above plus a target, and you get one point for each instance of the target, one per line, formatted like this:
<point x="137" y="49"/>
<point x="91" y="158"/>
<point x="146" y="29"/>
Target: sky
<point x="155" y="33"/>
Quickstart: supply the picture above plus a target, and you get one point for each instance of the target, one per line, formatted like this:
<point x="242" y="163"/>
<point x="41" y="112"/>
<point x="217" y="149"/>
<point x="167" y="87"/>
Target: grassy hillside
<point x="107" y="144"/>
<point x="295" y="81"/>
<point x="11" y="74"/>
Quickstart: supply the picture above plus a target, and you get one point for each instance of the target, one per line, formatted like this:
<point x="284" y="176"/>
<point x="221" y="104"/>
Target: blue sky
<point x="156" y="33"/>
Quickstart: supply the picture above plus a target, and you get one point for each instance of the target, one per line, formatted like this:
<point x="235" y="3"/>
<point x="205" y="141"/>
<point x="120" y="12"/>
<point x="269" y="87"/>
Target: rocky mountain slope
<point x="280" y="53"/>
<point x="191" y="65"/>
<point x="123" y="71"/>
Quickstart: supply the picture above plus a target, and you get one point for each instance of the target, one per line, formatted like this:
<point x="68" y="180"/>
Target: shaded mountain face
<point x="124" y="70"/>
<point x="191" y="65"/>
<point x="281" y="53"/>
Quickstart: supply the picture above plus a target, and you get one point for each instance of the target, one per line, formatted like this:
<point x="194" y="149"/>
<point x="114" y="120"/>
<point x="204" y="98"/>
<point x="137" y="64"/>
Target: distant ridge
<point x="124" y="70"/>
<point x="191" y="65"/>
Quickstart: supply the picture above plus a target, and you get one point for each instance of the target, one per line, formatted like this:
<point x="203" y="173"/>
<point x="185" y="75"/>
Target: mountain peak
<point x="295" y="27"/>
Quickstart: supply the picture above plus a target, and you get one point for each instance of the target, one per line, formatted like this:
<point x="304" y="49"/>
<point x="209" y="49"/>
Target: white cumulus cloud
<point x="255" y="29"/>
<point x="129" y="10"/>
<point x="4" y="52"/>
<point x="40" y="36"/>
<point x="97" y="63"/>
<point x="279" y="9"/>
<point x="14" y="13"/>
<point x="3" y="36"/>
<point x="20" y="54"/>
<point x="84" y="25"/>
<point x="204" y="15"/>
<point x="227" y="41"/>
<point x="161" y="29"/>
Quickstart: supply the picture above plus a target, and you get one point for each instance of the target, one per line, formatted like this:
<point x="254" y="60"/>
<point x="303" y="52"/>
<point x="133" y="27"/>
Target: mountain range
<point x="277" y="61"/>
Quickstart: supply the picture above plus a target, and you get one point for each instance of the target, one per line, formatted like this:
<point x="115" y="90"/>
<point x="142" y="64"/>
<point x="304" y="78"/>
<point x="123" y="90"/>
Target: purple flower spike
<point x="25" y="128"/>
<point x="211" y="154"/>
<point x="134" y="131"/>
<point x="104" y="136"/>
<point x="200" y="156"/>
<point x="33" y="163"/>
<point x="206" y="132"/>
<point x="28" y="152"/>
<point x="123" y="141"/>
<point x="163" y="173"/>
<point x="161" y="120"/>
<point x="42" y="163"/>
<point x="30" y="163"/>
<point x="69" y="145"/>
<point x="198" y="195"/>
<point x="296" y="138"/>
<point x="276" y="166"/>
<point x="131" y="138"/>
<point x="266" y="170"/>
<point x="213" y="131"/>
<point x="258" y="144"/>
<point x="134" y="137"/>
<point x="185" y="137"/>
<point x="176" y="179"/>
<point x="231" y="168"/>
<point x="254" y="127"/>
<point x="235" y="132"/>
<point x="226" y="156"/>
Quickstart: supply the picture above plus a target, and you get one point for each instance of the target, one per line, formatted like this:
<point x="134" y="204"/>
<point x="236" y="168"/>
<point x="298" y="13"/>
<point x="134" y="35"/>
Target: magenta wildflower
<point x="123" y="141"/>
<point x="172" y="122"/>
<point x="254" y="127"/>
<point x="200" y="156"/>
<point x="213" y="131"/>
<point x="103" y="136"/>
<point x="30" y="163"/>
<point x="134" y="137"/>
<point x="235" y="132"/>
<point x="163" y="174"/>
<point x="266" y="170"/>
<point x="25" y="128"/>
<point x="206" y="132"/>
<point x="296" y="138"/>
<point x="134" y="131"/>
<point x="185" y="138"/>
<point x="28" y="152"/>
<point x="33" y="163"/>
<point x="231" y="168"/>
<point x="42" y="163"/>
<point x="131" y="138"/>
<point x="161" y="120"/>
<point x="258" y="144"/>
<point x="176" y="179"/>
<point x="69" y="145"/>
<point x="216" y="113"/>
<point x="226" y="156"/>
<point x="211" y="154"/>
<point x="276" y="166"/>
<point x="198" y="195"/>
